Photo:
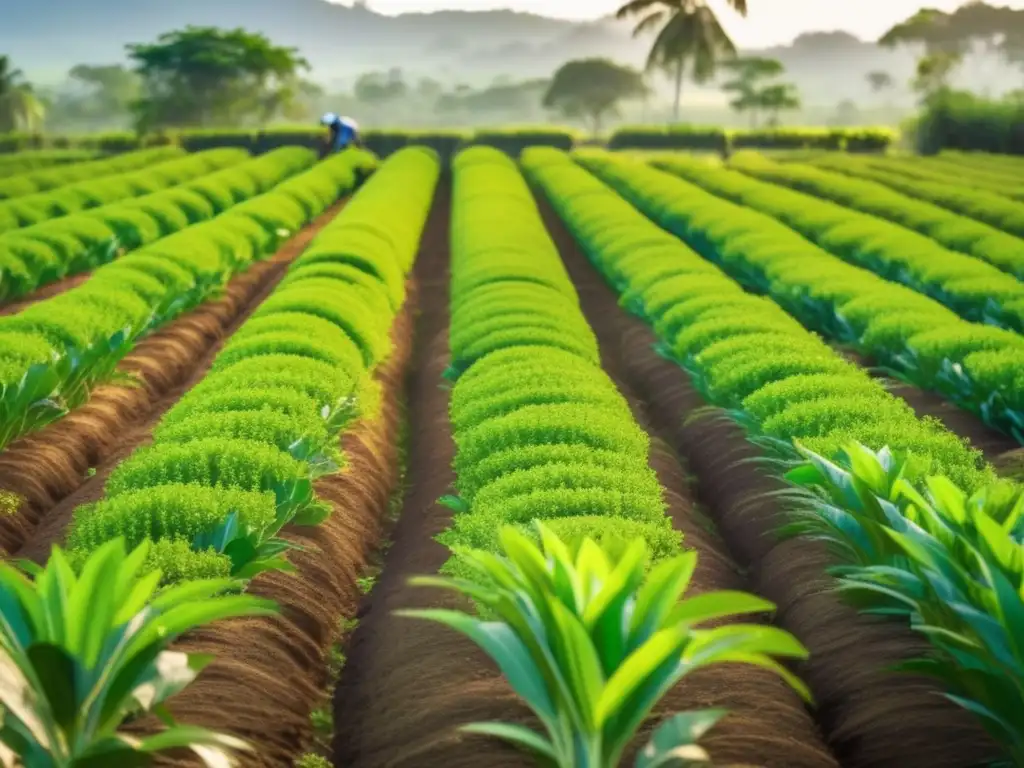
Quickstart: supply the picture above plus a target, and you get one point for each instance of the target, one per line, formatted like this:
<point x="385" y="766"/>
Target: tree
<point x="20" y="108"/>
<point x="592" y="89"/>
<point x="934" y="71"/>
<point x="879" y="81"/>
<point x="205" y="76"/>
<point x="778" y="98"/>
<point x="755" y="93"/>
<point x="378" y="88"/>
<point x="111" y="88"/>
<point x="690" y="33"/>
<point x="847" y="114"/>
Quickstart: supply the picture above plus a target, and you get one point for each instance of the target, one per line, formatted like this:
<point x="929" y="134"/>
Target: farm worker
<point x="344" y="131"/>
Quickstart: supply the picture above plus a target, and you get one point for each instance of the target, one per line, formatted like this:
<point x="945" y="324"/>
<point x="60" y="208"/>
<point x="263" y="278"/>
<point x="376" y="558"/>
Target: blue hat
<point x="329" y="119"/>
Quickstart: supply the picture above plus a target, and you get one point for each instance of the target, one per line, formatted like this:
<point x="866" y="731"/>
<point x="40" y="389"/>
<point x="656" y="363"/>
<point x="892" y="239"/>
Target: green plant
<point x="591" y="641"/>
<point x="915" y="546"/>
<point x="82" y="653"/>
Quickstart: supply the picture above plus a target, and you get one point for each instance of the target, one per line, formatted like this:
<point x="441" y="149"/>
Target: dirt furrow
<point x="47" y="291"/>
<point x="871" y="717"/>
<point x="269" y="673"/>
<point x="56" y="469"/>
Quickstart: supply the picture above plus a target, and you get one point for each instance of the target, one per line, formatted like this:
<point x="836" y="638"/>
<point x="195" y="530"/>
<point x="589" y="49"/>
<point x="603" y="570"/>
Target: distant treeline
<point x="511" y="140"/>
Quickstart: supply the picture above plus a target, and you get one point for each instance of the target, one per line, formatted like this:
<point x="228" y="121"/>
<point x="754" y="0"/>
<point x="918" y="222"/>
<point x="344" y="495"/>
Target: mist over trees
<point x="690" y="69"/>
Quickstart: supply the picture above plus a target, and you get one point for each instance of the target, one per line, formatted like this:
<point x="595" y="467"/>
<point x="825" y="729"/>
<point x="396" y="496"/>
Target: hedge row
<point x="27" y="210"/>
<point x="381" y="142"/>
<point x="54" y="351"/>
<point x="992" y="208"/>
<point x="540" y="430"/>
<point x="745" y="351"/>
<point x="780" y="381"/>
<point x="720" y="140"/>
<point x="34" y="256"/>
<point x="34" y="160"/>
<point x="958" y="233"/>
<point x="926" y="342"/>
<point x="46" y="179"/>
<point x="972" y="288"/>
<point x="234" y="460"/>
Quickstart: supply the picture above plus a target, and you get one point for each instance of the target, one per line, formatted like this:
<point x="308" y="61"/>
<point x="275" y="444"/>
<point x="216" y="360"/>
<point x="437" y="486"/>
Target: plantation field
<point x="794" y="383"/>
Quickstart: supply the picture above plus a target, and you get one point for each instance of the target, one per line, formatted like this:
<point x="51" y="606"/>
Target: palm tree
<point x="19" y="106"/>
<point x="689" y="31"/>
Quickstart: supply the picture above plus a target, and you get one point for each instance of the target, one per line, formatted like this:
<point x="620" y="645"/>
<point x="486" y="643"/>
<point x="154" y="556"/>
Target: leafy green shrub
<point x="901" y="555"/>
<point x="90" y="328"/>
<point x="948" y="228"/>
<point x="891" y="251"/>
<point x="590" y="640"/>
<point x="55" y="177"/>
<point x="235" y="459"/>
<point x="85" y="653"/>
<point x="841" y="300"/>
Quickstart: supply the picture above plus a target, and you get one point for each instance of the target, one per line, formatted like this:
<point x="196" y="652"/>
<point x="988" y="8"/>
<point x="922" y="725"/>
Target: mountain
<point x="46" y="38"/>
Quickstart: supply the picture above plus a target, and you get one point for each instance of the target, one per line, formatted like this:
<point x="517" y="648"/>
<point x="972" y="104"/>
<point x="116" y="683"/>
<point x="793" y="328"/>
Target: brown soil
<point x="871" y="717"/>
<point x="48" y="470"/>
<point x="47" y="291"/>
<point x="407" y="686"/>
<point x="269" y="673"/>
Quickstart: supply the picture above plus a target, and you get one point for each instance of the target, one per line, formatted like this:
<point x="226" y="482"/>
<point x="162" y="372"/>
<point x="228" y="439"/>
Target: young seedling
<point x="591" y="639"/>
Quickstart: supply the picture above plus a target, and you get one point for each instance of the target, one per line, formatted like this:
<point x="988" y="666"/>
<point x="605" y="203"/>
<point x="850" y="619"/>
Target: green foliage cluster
<point x="541" y="432"/>
<point x="86" y="653"/>
<point x="964" y="170"/>
<point x="942" y="553"/>
<point x="975" y="366"/>
<point x="993" y="207"/>
<point x="916" y="547"/>
<point x="971" y="288"/>
<point x="35" y="160"/>
<point x="235" y="459"/>
<point x="45" y="179"/>
<point x="744" y="351"/>
<point x="35" y="255"/>
<point x="54" y="351"/>
<point x="951" y="230"/>
<point x="695" y="137"/>
<point x="590" y="628"/>
<point x="382" y="142"/>
<point x="27" y="210"/>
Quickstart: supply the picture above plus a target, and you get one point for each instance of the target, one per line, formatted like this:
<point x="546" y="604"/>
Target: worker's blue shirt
<point x="344" y="134"/>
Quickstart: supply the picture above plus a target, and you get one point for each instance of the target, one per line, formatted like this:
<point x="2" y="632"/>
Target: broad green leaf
<point x="637" y="669"/>
<point x="521" y="737"/>
<point x="676" y="739"/>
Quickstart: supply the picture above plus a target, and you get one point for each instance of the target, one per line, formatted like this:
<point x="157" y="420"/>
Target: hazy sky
<point x="770" y="21"/>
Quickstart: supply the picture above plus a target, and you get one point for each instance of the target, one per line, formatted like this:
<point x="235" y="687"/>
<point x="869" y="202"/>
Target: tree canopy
<point x="210" y="76"/>
<point x="689" y="33"/>
<point x="755" y="90"/>
<point x="593" y="89"/>
<point x="20" y="109"/>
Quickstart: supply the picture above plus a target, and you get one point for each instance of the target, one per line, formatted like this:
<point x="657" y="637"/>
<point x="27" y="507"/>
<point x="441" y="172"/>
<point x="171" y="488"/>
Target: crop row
<point x="975" y="366"/>
<point x="958" y="233"/>
<point x="234" y="460"/>
<point x="971" y="288"/>
<point x="27" y="210"/>
<point x="993" y="208"/>
<point x="940" y="170"/>
<point x="33" y="160"/>
<point x="53" y="352"/>
<point x="782" y="383"/>
<point x="35" y="256"/>
<point x="541" y="432"/>
<point x="50" y="178"/>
